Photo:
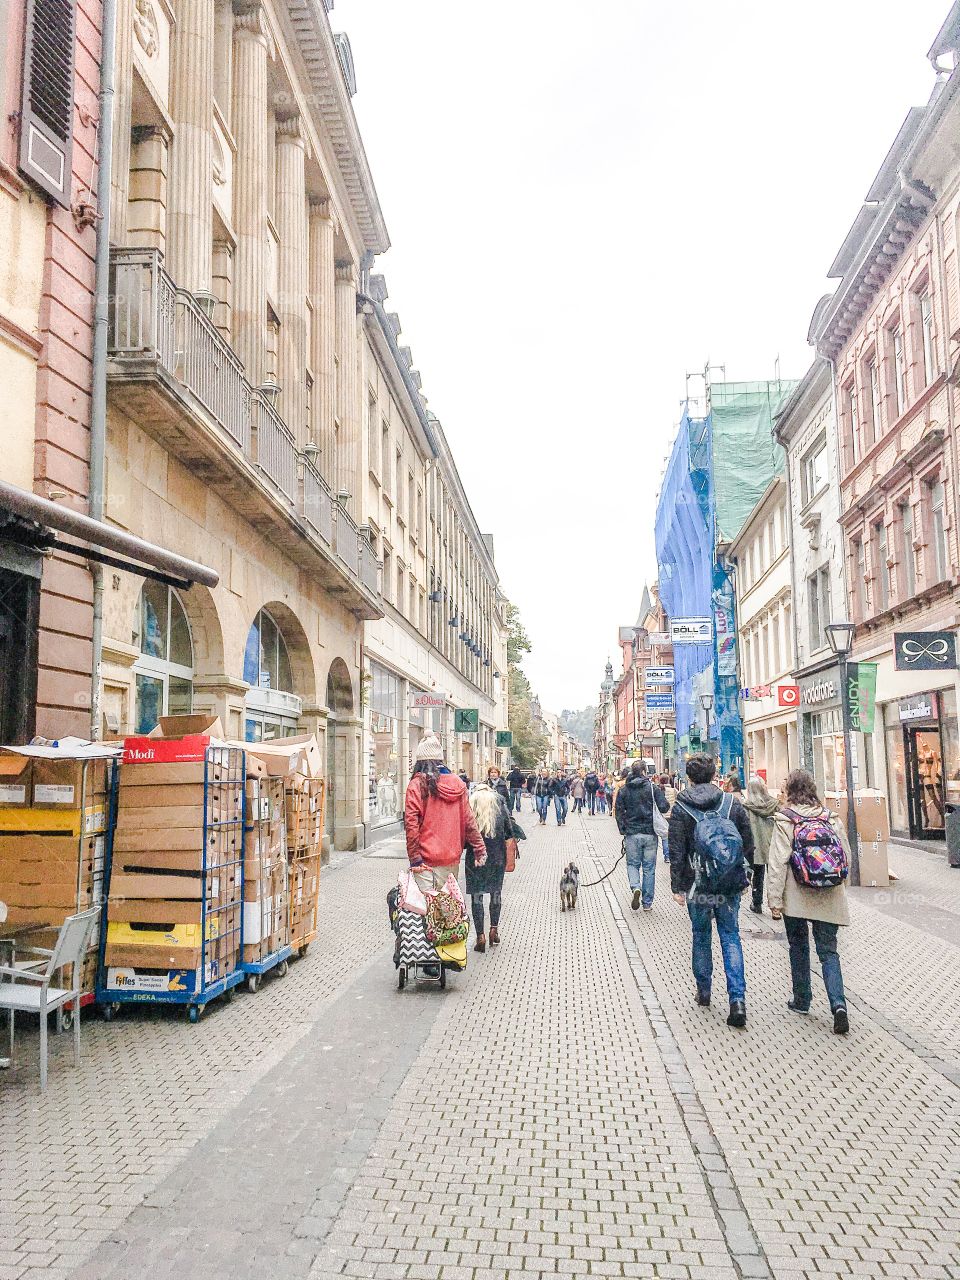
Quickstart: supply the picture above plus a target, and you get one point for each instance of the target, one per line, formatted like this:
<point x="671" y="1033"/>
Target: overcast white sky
<point x="586" y="202"/>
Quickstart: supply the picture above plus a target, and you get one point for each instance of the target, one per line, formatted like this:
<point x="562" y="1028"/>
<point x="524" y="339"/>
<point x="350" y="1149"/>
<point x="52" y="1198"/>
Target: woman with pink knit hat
<point x="437" y="819"/>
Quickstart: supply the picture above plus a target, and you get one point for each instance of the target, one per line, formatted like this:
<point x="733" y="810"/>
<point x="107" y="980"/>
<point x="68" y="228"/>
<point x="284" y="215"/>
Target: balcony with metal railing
<point x="175" y="375"/>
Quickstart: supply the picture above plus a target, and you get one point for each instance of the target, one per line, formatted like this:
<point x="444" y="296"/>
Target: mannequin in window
<point x="929" y="767"/>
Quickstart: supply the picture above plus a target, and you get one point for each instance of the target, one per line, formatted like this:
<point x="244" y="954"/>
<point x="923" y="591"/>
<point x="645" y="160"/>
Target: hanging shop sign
<point x="726" y="633"/>
<point x="862" y="695"/>
<point x="788" y="695"/>
<point x="466" y="720"/>
<point x="925" y="650"/>
<point x="691" y="631"/>
<point x="658" y="676"/>
<point x="504" y="738"/>
<point x="658" y="637"/>
<point x="923" y="706"/>
<point x="823" y="689"/>
<point x="426" y="701"/>
<point x="658" y="701"/>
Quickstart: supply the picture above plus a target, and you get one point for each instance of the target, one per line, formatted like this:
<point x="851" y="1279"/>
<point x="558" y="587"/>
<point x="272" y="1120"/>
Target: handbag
<point x="511" y="853"/>
<point x="661" y="827"/>
<point x="411" y="895"/>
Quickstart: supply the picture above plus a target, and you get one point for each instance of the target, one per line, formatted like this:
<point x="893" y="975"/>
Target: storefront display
<point x="426" y="713"/>
<point x="387" y="751"/>
<point x="923" y="762"/>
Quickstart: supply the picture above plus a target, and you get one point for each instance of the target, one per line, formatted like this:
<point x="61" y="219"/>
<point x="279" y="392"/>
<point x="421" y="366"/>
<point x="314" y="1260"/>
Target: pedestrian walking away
<point x="761" y="807"/>
<point x="637" y="801"/>
<point x="578" y="793"/>
<point x="602" y="794"/>
<point x="559" y="789"/>
<point x="515" y="783"/>
<point x="711" y="845"/>
<point x="670" y="792"/>
<point x="608" y="794"/>
<point x="541" y="795"/>
<point x="807" y="864"/>
<point x="492" y="815"/>
<point x="591" y="785"/>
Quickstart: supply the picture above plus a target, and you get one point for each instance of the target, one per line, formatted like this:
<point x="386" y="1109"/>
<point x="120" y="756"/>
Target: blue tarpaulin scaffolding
<point x="719" y="467"/>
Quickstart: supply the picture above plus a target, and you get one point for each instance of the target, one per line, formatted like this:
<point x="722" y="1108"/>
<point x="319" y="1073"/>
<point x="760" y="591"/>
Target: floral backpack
<point x="817" y="857"/>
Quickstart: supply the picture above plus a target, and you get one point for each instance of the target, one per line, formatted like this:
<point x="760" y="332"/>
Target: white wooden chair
<point x="29" y="991"/>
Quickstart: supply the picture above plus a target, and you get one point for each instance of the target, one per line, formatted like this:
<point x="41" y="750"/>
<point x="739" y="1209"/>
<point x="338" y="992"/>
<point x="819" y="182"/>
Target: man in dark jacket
<point x="560" y="789"/>
<point x="591" y="784"/>
<point x="700" y="797"/>
<point x="634" y="814"/>
<point x="515" y="782"/>
<point x="541" y="788"/>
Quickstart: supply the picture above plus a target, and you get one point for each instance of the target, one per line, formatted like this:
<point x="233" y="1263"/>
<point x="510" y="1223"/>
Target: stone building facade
<point x="47" y="245"/>
<point x="765" y="632"/>
<point x="892" y="333"/>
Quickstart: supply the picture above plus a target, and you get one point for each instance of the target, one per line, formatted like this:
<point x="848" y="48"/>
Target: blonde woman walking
<point x="495" y="826"/>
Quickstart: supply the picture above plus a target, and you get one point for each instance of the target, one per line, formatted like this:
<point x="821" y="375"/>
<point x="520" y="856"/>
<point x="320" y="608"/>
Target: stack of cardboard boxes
<point x="173" y="917"/>
<point x="873" y="827"/>
<point x="297" y="762"/>
<point x="54" y="811"/>
<point x="266" y="900"/>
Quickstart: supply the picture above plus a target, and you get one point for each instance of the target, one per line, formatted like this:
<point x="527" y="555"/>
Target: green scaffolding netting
<point x="745" y="455"/>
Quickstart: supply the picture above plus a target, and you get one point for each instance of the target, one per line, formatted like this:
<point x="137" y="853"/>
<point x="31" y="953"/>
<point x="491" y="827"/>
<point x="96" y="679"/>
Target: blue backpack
<point x="718" y="865"/>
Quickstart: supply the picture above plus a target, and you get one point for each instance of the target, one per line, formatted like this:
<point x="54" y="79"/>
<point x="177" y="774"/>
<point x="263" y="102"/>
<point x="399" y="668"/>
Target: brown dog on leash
<point x="569" y="884"/>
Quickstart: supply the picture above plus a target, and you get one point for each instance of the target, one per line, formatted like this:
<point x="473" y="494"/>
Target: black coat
<point x="515" y="777"/>
<point x="489" y="877"/>
<point x="634" y="808"/>
<point x="704" y="796"/>
<point x="560" y="786"/>
<point x="591" y="781"/>
<point x="540" y="786"/>
<point x="501" y="788"/>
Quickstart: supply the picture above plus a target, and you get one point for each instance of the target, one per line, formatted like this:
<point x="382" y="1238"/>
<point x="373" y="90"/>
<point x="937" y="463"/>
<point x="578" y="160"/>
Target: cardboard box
<point x="165" y="911"/>
<point x="121" y="955"/>
<point x="159" y="818"/>
<point x="874" y="864"/>
<point x="873" y="822"/>
<point x="16" y="781"/>
<point x="185" y="839"/>
<point x="175" y="740"/>
<point x="283" y="756"/>
<point x="70" y="782"/>
<point x="140" y="885"/>
<point x="63" y="895"/>
<point x="222" y="798"/>
<point x="191" y="773"/>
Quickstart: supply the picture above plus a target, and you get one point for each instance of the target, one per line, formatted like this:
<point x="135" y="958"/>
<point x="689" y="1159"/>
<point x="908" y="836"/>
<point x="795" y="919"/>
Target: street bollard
<point x="953" y="835"/>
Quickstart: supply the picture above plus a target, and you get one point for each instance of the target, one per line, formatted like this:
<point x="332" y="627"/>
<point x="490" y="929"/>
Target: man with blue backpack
<point x="711" y="846"/>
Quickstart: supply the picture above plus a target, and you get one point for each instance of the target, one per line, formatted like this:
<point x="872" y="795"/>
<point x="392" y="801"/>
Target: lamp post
<point x="840" y="639"/>
<point x="706" y="701"/>
<point x="662" y="726"/>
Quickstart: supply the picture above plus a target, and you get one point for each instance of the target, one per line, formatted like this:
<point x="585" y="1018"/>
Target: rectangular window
<point x="908" y="584"/>
<point x="873" y="387"/>
<point x="387" y="573"/>
<point x="813" y="610"/>
<point x="860" y="560"/>
<point x="373" y="434"/>
<point x="411" y="502"/>
<point x="814" y="470"/>
<point x="881" y="568"/>
<point x="385" y="454"/>
<point x="937" y="530"/>
<point x="853" y="423"/>
<point x="399" y="601"/>
<point x="899" y="369"/>
<point x="926" y="334"/>
<point x="398" y="475"/>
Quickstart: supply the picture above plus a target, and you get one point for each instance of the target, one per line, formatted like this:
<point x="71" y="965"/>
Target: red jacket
<point x="438" y="827"/>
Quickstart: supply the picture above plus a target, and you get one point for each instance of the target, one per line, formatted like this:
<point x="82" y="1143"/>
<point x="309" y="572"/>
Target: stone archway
<point x="339" y="689"/>
<point x="343" y="818"/>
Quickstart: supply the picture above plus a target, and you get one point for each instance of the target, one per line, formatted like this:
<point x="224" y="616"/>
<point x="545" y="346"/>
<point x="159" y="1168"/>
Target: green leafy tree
<point x="530" y="744"/>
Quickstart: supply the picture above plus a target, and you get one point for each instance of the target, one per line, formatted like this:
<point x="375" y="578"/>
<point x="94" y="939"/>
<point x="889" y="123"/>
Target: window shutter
<point x="46" y="115"/>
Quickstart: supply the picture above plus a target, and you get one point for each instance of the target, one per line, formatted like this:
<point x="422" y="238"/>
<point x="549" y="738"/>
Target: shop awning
<point x="41" y="523"/>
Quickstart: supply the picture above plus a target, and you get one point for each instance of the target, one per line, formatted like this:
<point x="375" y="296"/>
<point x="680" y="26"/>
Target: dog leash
<point x="623" y="853"/>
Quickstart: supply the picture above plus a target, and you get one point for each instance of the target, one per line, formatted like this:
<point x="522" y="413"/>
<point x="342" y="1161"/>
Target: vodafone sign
<point x="788" y="695"/>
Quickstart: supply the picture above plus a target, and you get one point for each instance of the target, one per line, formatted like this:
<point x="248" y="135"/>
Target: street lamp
<point x="840" y="639"/>
<point x="662" y="726"/>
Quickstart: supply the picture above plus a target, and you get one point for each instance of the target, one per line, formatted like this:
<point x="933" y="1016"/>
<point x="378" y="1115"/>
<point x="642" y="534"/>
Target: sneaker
<point x="703" y="998"/>
<point x="797" y="1007"/>
<point x="648" y="906"/>
<point x="738" y="1014"/>
<point x="756" y="909"/>
<point x="841" y="1023"/>
<point x="635" y="904"/>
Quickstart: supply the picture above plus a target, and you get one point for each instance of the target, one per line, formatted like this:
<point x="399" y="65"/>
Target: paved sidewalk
<point x="561" y="1109"/>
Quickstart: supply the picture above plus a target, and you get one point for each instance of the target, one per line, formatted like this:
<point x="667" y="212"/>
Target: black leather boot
<point x="738" y="1014"/>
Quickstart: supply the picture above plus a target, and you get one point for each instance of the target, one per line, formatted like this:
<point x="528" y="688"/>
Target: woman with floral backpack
<point x="806" y="868"/>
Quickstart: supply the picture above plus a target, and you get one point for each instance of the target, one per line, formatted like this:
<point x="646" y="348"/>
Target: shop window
<point x="164" y="670"/>
<point x="387" y="747"/>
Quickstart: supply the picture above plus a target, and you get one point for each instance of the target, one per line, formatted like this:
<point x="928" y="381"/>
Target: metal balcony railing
<point x="276" y="448"/>
<point x="151" y="320"/>
<point x="317" y="503"/>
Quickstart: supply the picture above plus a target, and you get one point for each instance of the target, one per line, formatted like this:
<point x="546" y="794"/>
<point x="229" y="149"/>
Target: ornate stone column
<point x="190" y="215"/>
<point x="292" y="290"/>
<point x="322" y="345"/>
<point x="348" y="392"/>
<point x="250" y="178"/>
<point x="123" y="89"/>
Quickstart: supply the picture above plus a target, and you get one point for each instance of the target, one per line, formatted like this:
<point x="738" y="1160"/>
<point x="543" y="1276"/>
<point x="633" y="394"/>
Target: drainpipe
<point x="101" y="288"/>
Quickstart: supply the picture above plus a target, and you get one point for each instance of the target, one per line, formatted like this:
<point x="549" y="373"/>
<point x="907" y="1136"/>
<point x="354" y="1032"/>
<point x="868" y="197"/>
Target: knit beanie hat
<point x="430" y="748"/>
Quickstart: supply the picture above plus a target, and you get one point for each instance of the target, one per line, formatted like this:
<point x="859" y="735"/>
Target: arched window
<point x="272" y="708"/>
<point x="164" y="670"/>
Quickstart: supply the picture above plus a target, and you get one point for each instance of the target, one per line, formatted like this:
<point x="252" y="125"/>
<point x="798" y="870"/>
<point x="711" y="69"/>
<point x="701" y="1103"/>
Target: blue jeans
<point x="666" y="848"/>
<point x="825" y="940"/>
<point x="515" y="799"/>
<point x="726" y="912"/>
<point x="560" y="804"/>
<point x="642" y="861"/>
<point x="591" y="802"/>
<point x="543" y="804"/>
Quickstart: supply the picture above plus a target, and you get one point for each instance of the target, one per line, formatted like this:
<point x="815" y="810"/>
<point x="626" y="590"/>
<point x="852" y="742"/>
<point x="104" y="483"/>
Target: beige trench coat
<point x="791" y="898"/>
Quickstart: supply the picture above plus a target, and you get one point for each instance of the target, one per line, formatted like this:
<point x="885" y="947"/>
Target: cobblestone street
<point x="561" y="1109"/>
